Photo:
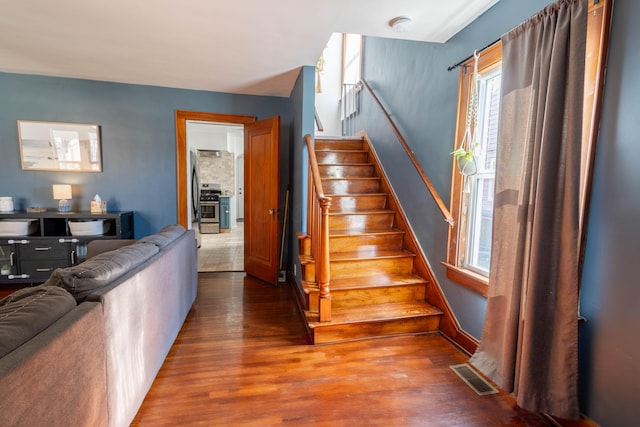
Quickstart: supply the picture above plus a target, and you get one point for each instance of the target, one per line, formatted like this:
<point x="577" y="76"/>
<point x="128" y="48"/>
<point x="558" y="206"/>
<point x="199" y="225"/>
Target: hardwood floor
<point x="6" y="290"/>
<point x="242" y="359"/>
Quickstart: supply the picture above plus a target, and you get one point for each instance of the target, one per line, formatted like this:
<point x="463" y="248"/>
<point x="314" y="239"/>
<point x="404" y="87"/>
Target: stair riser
<point x="368" y="267"/>
<point x="379" y="221"/>
<point x="346" y="144"/>
<point x="308" y="272"/>
<point x="342" y="203"/>
<point x="342" y="157"/>
<point x="346" y="171"/>
<point x="391" y="241"/>
<point x="346" y="186"/>
<point x="304" y="244"/>
<point x="313" y="301"/>
<point x="328" y="334"/>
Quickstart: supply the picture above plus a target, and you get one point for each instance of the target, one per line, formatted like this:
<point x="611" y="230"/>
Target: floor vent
<point x="473" y="380"/>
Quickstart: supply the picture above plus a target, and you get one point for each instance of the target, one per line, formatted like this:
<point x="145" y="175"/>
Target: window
<point x="469" y="250"/>
<point x="351" y="58"/>
<point x="479" y="194"/>
<point x="472" y="196"/>
<point x="351" y="76"/>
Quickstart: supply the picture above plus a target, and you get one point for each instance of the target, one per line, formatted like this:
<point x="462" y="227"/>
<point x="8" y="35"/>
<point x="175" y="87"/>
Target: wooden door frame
<point x="182" y="117"/>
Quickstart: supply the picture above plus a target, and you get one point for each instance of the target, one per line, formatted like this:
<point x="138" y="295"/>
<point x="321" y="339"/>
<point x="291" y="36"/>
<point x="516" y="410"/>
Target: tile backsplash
<point x="218" y="170"/>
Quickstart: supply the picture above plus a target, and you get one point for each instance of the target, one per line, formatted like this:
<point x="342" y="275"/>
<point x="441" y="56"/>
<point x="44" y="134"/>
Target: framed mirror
<point x="68" y="147"/>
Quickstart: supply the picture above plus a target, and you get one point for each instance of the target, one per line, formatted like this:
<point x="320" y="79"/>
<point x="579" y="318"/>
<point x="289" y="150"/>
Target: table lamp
<point x="62" y="192"/>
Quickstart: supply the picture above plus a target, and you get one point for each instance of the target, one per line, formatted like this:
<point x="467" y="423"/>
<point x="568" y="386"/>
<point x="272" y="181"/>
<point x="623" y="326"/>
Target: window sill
<point x="473" y="281"/>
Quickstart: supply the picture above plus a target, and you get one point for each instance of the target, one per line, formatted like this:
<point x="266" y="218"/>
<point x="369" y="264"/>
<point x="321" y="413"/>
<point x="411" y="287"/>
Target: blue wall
<point x="138" y="140"/>
<point x="610" y="344"/>
<point x="303" y="101"/>
<point x="412" y="80"/>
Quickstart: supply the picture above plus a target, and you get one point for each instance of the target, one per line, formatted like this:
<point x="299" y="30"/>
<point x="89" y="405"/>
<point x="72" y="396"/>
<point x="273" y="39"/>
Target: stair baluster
<point x="318" y="222"/>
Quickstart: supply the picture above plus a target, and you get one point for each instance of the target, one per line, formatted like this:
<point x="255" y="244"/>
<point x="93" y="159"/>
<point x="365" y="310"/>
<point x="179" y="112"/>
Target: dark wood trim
<point x="181" y="151"/>
<point x="604" y="8"/>
<point x="474" y="281"/>
<point x="467" y="343"/>
<point x="584" y="421"/>
<point x="300" y="297"/>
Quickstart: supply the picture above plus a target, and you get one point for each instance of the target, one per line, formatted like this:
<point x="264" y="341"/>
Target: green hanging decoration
<point x="465" y="154"/>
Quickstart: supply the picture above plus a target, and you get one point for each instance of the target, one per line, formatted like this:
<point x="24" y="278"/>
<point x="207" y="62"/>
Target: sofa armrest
<point x="143" y="313"/>
<point x="58" y="378"/>
<point x="99" y="246"/>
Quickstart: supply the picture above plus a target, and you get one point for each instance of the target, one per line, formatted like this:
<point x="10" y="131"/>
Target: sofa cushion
<point x="82" y="279"/>
<point x="165" y="236"/>
<point x="28" y="311"/>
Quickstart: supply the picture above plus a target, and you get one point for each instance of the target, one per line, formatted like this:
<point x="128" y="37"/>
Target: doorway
<point x="216" y="152"/>
<point x="260" y="192"/>
<point x="205" y="138"/>
<point x="223" y="251"/>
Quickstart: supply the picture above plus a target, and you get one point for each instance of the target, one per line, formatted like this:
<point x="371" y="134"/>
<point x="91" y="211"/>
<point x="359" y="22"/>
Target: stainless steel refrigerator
<point x="195" y="193"/>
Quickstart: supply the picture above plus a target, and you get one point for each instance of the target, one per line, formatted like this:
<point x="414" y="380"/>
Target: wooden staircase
<point x="374" y="290"/>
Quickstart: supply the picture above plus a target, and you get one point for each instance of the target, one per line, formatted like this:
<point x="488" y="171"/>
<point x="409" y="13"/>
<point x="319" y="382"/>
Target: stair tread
<point x="379" y="280"/>
<point x="345" y="164"/>
<point x="323" y="145"/>
<point x="370" y="253"/>
<point x="361" y="211"/>
<point x="337" y="138"/>
<point x="354" y="178"/>
<point x="339" y="150"/>
<point x="355" y="194"/>
<point x="305" y="258"/>
<point x="376" y="312"/>
<point x="363" y="231"/>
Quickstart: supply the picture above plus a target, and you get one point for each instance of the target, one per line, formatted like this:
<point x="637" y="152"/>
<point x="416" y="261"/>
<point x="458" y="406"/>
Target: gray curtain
<point x="529" y="341"/>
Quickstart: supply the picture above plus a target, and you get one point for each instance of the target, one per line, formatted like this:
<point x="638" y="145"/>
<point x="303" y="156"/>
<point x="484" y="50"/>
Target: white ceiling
<point x="237" y="46"/>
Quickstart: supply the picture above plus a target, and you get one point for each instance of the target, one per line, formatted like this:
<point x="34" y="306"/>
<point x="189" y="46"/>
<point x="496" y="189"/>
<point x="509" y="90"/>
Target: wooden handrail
<point x="316" y="117"/>
<point x="434" y="193"/>
<point x="315" y="171"/>
<point x="319" y="232"/>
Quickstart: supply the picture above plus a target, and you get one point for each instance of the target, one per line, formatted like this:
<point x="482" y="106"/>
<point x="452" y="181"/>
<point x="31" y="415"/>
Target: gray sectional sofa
<point x="84" y="347"/>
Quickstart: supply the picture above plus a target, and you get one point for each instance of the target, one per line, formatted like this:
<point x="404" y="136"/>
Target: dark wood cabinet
<point x="49" y="242"/>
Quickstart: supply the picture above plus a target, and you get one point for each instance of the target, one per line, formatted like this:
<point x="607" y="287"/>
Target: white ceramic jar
<point x="6" y="204"/>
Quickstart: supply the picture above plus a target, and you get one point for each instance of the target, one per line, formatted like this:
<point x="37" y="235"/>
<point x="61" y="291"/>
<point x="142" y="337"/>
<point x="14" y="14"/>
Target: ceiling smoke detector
<point x="401" y="24"/>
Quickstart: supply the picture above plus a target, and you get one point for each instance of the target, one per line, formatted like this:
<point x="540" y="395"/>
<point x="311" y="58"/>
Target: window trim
<point x="598" y="27"/>
<point x="344" y="61"/>
<point x="490" y="58"/>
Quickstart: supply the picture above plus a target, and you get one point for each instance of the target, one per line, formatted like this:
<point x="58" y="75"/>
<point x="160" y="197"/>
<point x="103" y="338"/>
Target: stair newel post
<point x="320" y="233"/>
<point x="324" y="275"/>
